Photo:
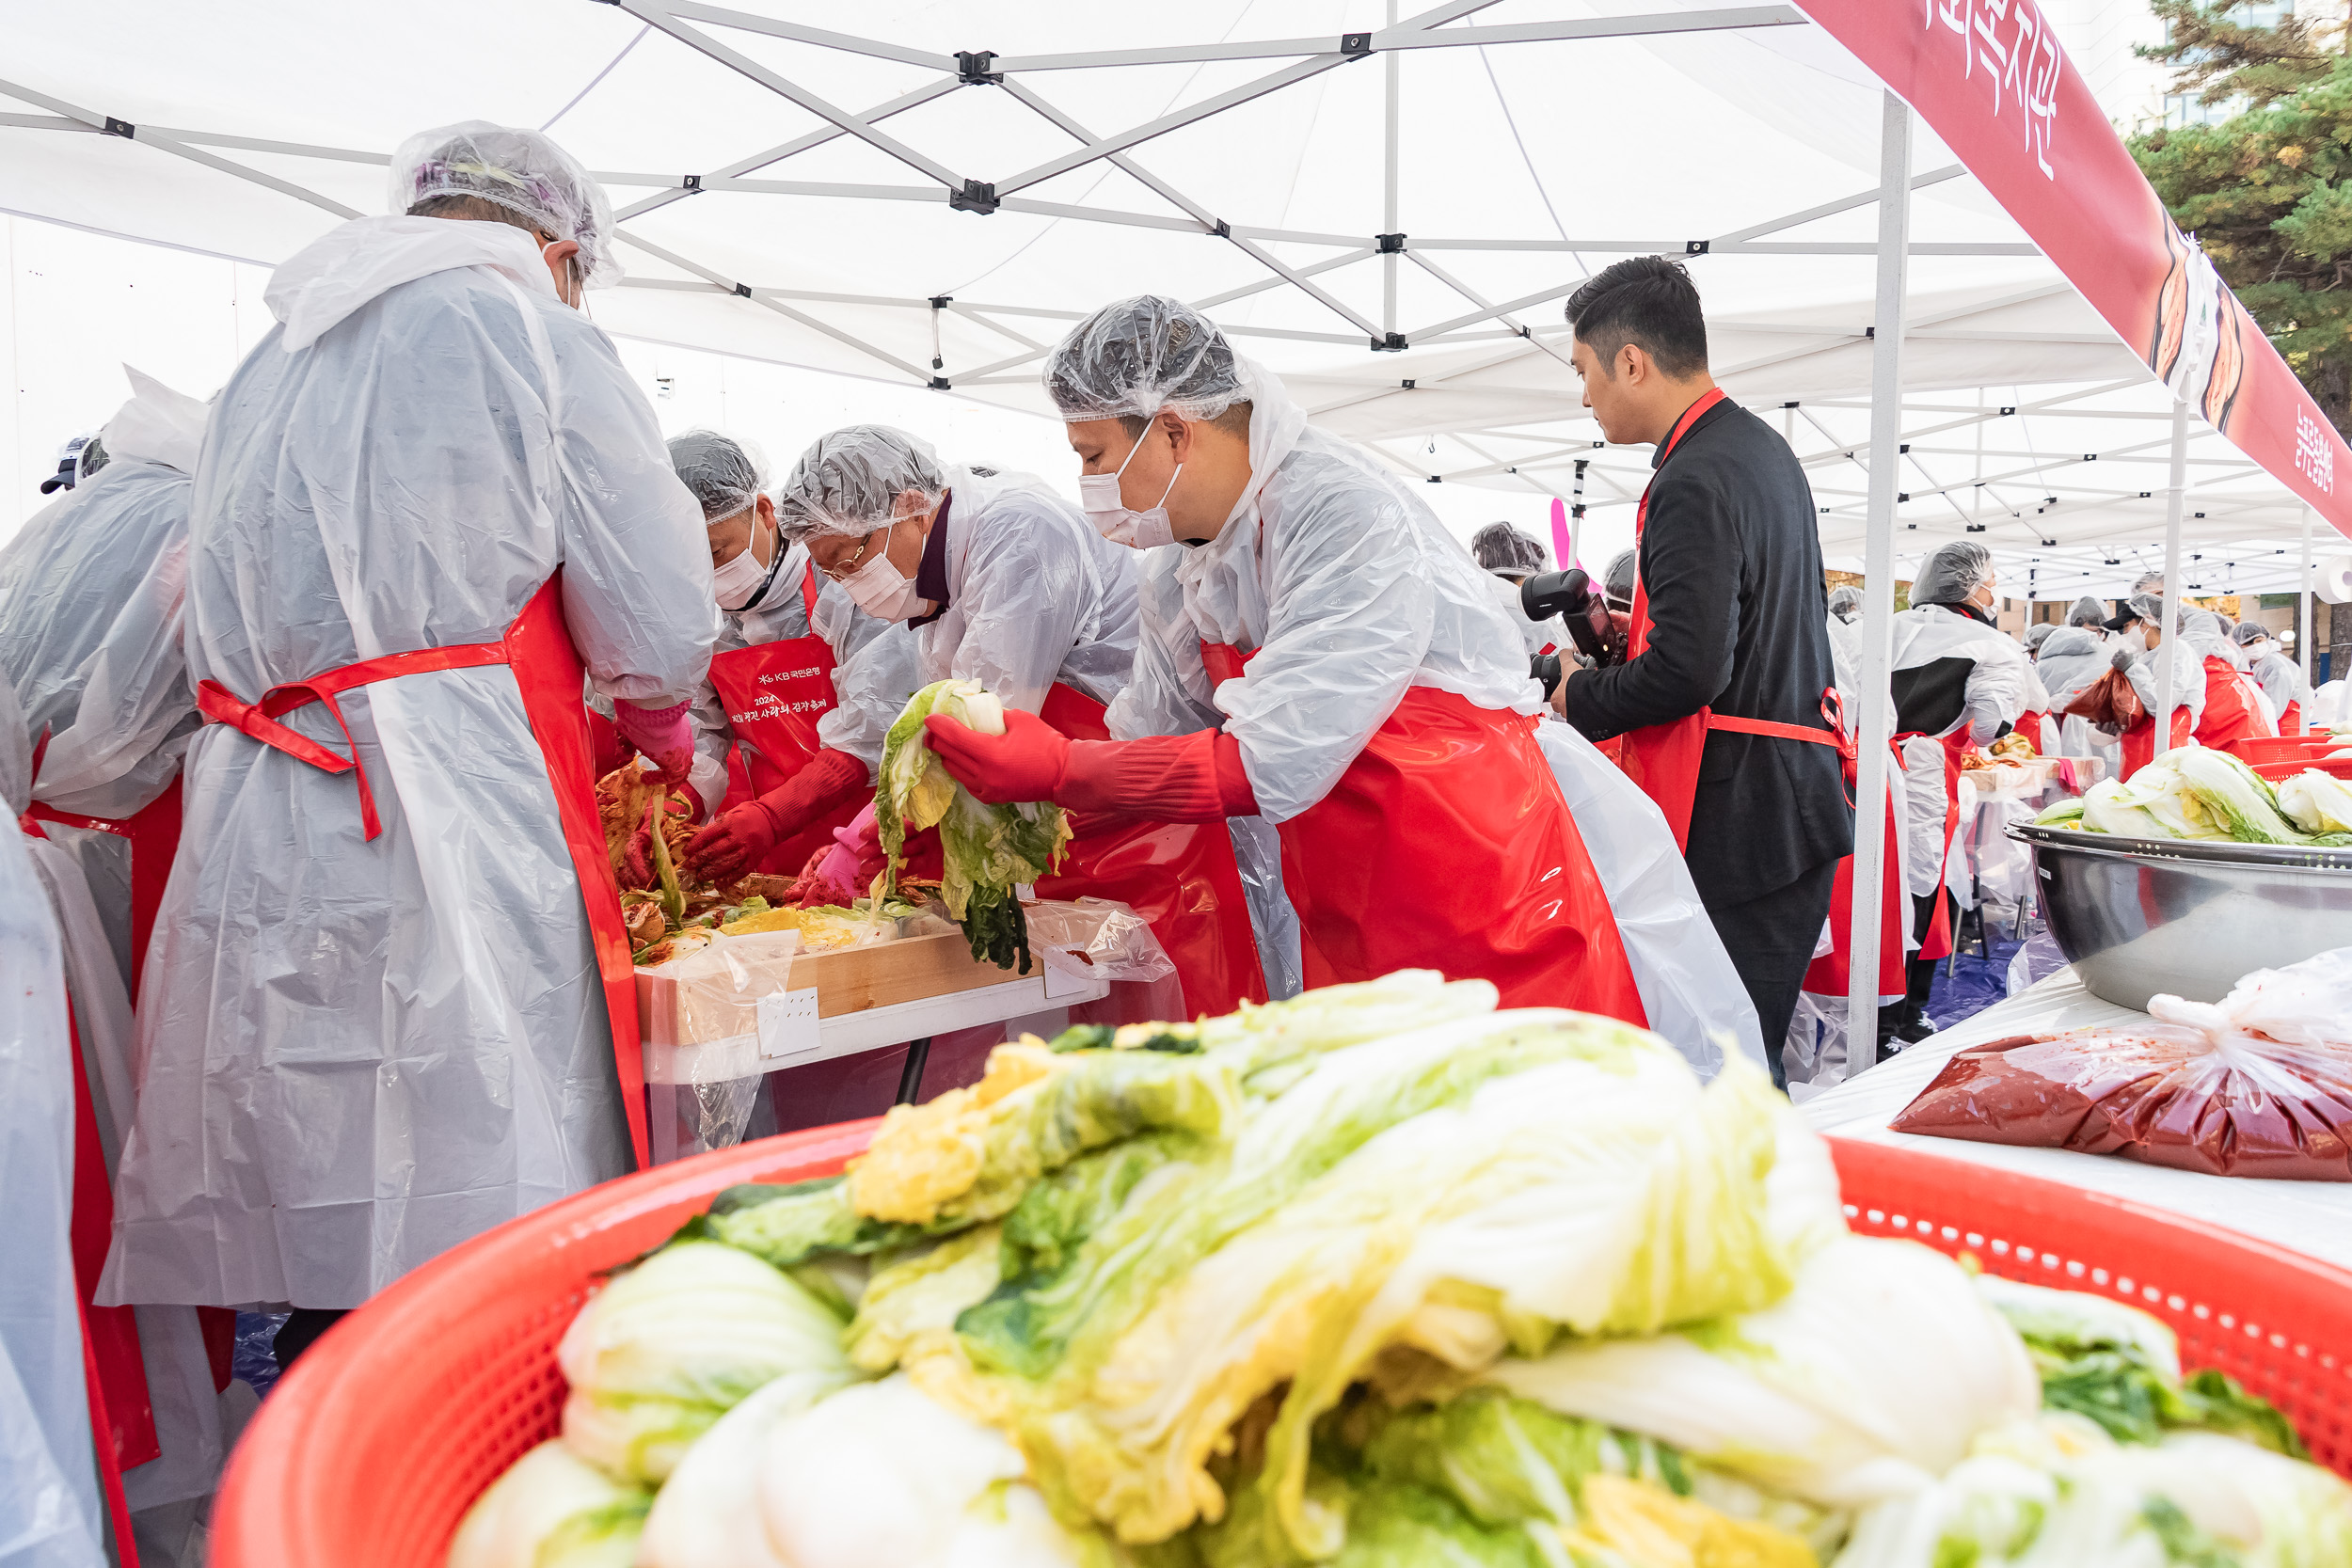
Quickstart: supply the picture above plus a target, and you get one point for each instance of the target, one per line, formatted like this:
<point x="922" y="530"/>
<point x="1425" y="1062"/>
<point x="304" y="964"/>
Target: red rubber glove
<point x="738" y="841"/>
<point x="1177" y="778"/>
<point x="664" y="735"/>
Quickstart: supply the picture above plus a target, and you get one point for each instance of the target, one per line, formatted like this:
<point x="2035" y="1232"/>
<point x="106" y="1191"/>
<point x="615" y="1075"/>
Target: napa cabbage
<point x="669" y="1346"/>
<point x="2318" y="801"/>
<point x="986" y="851"/>
<point x="1831" y="1394"/>
<point x="551" y="1509"/>
<point x="1443" y="1194"/>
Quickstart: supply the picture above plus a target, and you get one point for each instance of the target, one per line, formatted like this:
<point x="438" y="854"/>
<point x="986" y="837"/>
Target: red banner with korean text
<point x="1989" y="76"/>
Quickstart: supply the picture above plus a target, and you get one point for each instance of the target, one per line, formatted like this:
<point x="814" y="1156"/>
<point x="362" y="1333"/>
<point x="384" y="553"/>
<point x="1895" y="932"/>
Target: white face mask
<point x="1098" y="494"/>
<point x="2135" y="639"/>
<point x="738" y="583"/>
<point x="881" y="590"/>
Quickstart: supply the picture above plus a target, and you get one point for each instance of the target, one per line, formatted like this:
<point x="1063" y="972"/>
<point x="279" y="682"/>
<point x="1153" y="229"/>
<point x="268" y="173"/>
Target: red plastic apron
<point x="2232" y="712"/>
<point x="549" y="673"/>
<point x="2291" y="721"/>
<point x="1828" y="975"/>
<point x="774" y="696"/>
<point x="1446" y="845"/>
<point x="1181" y="877"/>
<point x="1663" y="759"/>
<point x="153" y="832"/>
<point x="1937" y="943"/>
<point x="2139" y="741"/>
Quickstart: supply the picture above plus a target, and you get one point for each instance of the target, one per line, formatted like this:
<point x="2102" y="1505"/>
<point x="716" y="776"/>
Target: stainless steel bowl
<point x="2141" y="916"/>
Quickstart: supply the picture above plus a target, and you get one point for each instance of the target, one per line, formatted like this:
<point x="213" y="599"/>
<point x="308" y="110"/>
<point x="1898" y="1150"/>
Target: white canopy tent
<point x="1386" y="209"/>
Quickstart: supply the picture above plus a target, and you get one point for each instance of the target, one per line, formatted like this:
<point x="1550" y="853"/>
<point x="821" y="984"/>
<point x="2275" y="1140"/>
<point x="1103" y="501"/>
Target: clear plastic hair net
<point x="2150" y="607"/>
<point x="1616" y="582"/>
<point x="524" y="172"/>
<point x="849" y="481"/>
<point x="2036" y="636"/>
<point x="2251" y="631"/>
<point x="1845" y="601"/>
<point x="1500" y="547"/>
<point x="726" y="475"/>
<point x="1952" y="573"/>
<point x="1131" y="360"/>
<point x="2087" y="611"/>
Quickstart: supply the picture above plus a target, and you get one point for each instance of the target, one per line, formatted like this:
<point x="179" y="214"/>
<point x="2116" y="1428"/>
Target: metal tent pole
<point x="1388" y="206"/>
<point x="2303" y="604"/>
<point x="1878" y="588"/>
<point x="2173" y="496"/>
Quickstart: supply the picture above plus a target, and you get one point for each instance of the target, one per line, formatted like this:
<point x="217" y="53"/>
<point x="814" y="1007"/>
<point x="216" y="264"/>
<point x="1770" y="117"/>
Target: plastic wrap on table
<point x="2259" y="1084"/>
<point x="1100" y="939"/>
<point x="700" y="1020"/>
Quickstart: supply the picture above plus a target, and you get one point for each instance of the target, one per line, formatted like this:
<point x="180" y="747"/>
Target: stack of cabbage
<point x="1379" y="1278"/>
<point x="2194" y="792"/>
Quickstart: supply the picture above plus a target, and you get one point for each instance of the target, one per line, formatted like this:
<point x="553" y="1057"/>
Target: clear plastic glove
<point x="665" y="735"/>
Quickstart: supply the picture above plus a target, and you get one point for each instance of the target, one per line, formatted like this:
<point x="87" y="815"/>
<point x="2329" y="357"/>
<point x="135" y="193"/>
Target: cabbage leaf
<point x="985" y="850"/>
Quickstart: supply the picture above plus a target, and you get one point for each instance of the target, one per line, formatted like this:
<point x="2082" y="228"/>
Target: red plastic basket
<point x="2274" y="771"/>
<point x="2258" y="749"/>
<point x="373" y="1448"/>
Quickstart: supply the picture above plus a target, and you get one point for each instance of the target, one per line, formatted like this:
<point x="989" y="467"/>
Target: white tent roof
<point x="792" y="193"/>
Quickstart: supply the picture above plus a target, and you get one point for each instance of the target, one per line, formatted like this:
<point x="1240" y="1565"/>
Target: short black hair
<point x="1648" y="301"/>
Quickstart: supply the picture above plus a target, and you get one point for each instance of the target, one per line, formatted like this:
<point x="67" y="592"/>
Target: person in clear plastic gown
<point x="1348" y="604"/>
<point x="90" y="627"/>
<point x="51" y="1511"/>
<point x="763" y="585"/>
<point x="1004" y="583"/>
<point x="361" y="1049"/>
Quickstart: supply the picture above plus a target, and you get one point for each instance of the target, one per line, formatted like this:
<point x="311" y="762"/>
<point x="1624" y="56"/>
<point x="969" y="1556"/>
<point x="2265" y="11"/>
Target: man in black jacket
<point x="1731" y="568"/>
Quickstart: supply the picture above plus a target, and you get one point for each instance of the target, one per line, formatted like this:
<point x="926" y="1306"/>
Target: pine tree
<point x="2267" y="192"/>
<point x="2216" y="58"/>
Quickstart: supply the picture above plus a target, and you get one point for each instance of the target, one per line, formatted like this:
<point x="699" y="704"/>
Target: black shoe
<point x="1915" y="1030"/>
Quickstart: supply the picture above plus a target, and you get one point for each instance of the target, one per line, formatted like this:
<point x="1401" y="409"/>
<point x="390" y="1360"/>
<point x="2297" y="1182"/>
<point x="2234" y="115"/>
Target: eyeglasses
<point x="849" y="568"/>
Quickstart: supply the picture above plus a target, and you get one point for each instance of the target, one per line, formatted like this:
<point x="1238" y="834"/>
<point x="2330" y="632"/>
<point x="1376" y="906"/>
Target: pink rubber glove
<point x="664" y="735"/>
<point x="848" y="868"/>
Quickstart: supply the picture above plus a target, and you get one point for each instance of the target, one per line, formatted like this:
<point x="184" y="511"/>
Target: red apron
<point x="2232" y="712"/>
<point x="1828" y="975"/>
<point x="774" y="696"/>
<point x="549" y="676"/>
<point x="1663" y="759"/>
<point x="2139" y="741"/>
<point x="153" y="832"/>
<point x="1937" y="943"/>
<point x="1446" y="845"/>
<point x="2291" y="721"/>
<point x="1181" y="877"/>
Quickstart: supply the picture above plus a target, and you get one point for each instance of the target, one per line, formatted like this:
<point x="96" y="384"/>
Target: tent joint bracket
<point x="1355" y="45"/>
<point x="1393" y="343"/>
<point x="122" y="128"/>
<point x="972" y="68"/>
<point x="977" y="196"/>
<point x="1696" y="248"/>
<point x="1391" y="244"/>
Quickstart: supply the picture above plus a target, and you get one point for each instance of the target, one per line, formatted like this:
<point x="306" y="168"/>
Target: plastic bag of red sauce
<point x="2257" y="1085"/>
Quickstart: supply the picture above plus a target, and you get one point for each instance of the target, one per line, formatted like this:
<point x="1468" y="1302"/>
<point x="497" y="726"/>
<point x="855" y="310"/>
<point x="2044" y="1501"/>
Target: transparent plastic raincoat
<point x="1035" y="595"/>
<point x="873" y="674"/>
<point x="50" y="1509"/>
<point x="2071" y="658"/>
<point x="356" y="1053"/>
<point x="1352" y="594"/>
<point x="90" y="594"/>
